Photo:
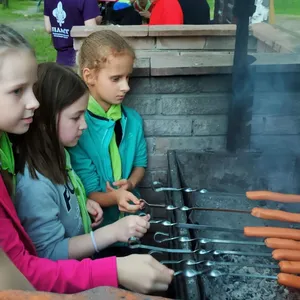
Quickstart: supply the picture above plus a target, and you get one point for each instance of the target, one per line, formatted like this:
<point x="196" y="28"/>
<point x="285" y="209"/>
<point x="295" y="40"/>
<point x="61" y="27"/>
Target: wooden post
<point x="272" y="12"/>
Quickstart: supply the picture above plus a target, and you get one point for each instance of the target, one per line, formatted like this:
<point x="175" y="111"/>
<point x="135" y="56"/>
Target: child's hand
<point x="130" y="226"/>
<point x="95" y="211"/>
<point x="143" y="274"/>
<point x="145" y="13"/>
<point x="123" y="197"/>
<point x="124" y="184"/>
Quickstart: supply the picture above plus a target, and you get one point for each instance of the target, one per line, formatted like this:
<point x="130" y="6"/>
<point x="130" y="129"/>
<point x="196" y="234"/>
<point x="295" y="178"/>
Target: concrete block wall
<point x="190" y="113"/>
<point x="276" y="113"/>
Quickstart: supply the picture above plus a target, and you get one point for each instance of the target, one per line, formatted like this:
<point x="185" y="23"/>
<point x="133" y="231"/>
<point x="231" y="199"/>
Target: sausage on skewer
<point x="272" y="196"/>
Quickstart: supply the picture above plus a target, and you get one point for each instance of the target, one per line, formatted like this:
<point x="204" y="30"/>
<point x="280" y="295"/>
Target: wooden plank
<point x="204" y="64"/>
<point x="192" y="30"/>
<point x="133" y="30"/>
<point x="226" y="43"/>
<point x="180" y="43"/>
<point x="171" y="65"/>
<point x="278" y="40"/>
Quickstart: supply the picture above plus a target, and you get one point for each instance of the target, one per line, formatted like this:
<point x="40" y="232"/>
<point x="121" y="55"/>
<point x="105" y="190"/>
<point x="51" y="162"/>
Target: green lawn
<point x="42" y="44"/>
<point x="287" y="7"/>
<point x="282" y="7"/>
<point x="24" y="17"/>
<point x="16" y="9"/>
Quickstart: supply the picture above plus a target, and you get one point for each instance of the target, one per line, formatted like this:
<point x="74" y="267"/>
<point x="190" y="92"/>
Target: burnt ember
<point x="227" y="177"/>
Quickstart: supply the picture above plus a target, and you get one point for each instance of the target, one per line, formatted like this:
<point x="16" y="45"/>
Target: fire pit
<point x="226" y="177"/>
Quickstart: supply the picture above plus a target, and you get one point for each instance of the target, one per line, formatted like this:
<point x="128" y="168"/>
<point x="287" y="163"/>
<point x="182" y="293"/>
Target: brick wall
<point x="190" y="113"/>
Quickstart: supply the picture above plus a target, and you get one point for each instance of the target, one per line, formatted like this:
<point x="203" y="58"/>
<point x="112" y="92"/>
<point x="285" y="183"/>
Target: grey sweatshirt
<point x="49" y="213"/>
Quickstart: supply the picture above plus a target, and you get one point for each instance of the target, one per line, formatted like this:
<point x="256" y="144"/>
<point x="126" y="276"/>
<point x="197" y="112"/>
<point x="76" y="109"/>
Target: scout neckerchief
<point x="146" y="7"/>
<point x="114" y="113"/>
<point x="80" y="194"/>
<point x="7" y="162"/>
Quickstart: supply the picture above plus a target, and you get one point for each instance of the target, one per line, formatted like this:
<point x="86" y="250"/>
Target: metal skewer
<point x="158" y="187"/>
<point x="185" y="208"/>
<point x="195" y="226"/>
<point x="217" y="273"/>
<point x="209" y="263"/>
<point x="184" y="239"/>
<point x="135" y="243"/>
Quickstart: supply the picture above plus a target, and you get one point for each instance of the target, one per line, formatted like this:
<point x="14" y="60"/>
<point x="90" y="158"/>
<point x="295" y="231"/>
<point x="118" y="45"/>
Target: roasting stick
<point x="258" y="212"/>
<point x="288" y="280"/>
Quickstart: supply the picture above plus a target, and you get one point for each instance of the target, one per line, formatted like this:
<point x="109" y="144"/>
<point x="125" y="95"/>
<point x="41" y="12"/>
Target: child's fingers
<point x="134" y="199"/>
<point x="120" y="182"/>
<point x="126" y="207"/>
<point x="97" y="218"/>
<point x="92" y="211"/>
<point x="109" y="188"/>
<point x="141" y="229"/>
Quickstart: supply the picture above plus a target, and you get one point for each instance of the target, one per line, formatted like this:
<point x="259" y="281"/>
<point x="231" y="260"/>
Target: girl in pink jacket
<point x="141" y="273"/>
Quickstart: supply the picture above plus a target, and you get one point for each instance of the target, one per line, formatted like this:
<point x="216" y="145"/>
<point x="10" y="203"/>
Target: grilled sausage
<point x="275" y="232"/>
<point x="289" y="280"/>
<point x="272" y="196"/>
<point x="276" y="243"/>
<point x="285" y="254"/>
<point x="275" y="214"/>
<point x="291" y="267"/>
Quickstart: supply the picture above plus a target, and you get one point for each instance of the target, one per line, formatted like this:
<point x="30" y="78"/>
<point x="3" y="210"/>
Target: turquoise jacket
<point x="91" y="158"/>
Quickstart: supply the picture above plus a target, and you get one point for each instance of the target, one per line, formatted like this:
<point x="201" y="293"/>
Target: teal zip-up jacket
<point x="91" y="159"/>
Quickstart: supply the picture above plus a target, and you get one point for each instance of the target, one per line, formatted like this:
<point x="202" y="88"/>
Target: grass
<point x="42" y="44"/>
<point x="17" y="11"/>
<point x="287" y="7"/>
<point x="282" y="7"/>
<point x="23" y="16"/>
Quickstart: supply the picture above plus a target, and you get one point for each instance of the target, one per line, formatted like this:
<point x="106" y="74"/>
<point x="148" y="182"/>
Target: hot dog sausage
<point x="275" y="232"/>
<point x="291" y="267"/>
<point x="274" y="214"/>
<point x="275" y="243"/>
<point x="272" y="196"/>
<point x="285" y="254"/>
<point x="289" y="280"/>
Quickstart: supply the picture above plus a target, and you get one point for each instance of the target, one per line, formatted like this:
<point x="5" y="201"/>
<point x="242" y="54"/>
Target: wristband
<point x="94" y="241"/>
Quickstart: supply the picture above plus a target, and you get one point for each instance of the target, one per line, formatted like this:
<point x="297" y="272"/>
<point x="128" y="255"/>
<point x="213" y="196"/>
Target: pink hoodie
<point x="65" y="276"/>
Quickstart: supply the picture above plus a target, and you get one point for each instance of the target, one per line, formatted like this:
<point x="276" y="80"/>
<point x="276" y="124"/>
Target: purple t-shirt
<point x="64" y="14"/>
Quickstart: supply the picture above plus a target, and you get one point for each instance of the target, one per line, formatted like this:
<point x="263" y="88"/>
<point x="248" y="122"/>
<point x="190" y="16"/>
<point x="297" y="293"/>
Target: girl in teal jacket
<point x="111" y="155"/>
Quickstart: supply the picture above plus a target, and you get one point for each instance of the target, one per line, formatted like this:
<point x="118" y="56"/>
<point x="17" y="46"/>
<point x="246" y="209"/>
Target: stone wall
<point x="190" y="113"/>
<point x="187" y="113"/>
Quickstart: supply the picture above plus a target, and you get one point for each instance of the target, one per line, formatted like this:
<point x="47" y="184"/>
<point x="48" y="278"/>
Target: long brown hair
<point x="57" y="88"/>
<point x="10" y="40"/>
